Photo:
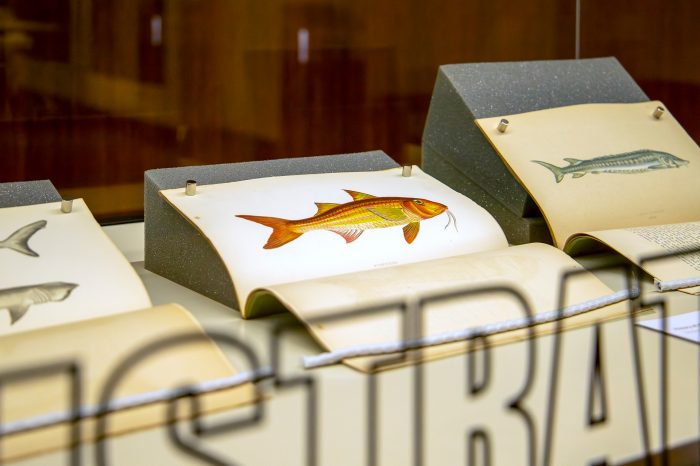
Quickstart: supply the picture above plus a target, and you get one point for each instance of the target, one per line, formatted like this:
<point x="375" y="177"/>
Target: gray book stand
<point x="457" y="153"/>
<point x="176" y="250"/>
<point x="21" y="193"/>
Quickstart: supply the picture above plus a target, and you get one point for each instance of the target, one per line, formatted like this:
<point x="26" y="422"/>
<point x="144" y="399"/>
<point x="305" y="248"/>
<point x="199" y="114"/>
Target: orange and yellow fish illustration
<point x="349" y="220"/>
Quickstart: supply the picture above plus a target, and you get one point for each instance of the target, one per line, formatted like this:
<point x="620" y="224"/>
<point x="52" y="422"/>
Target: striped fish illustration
<point x="638" y="161"/>
<point x="17" y="300"/>
<point x="351" y="219"/>
<point x="19" y="240"/>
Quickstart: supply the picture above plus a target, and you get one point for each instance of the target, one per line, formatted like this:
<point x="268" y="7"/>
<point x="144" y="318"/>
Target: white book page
<point x="686" y="326"/>
<point x="534" y="270"/>
<point x="320" y="253"/>
<point x="65" y="269"/>
<point x="602" y="166"/>
<point x="643" y="242"/>
<point x="99" y="346"/>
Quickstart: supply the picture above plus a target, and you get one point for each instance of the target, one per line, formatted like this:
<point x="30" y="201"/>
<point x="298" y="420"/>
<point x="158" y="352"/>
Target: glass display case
<point x="199" y="133"/>
<point x="96" y="92"/>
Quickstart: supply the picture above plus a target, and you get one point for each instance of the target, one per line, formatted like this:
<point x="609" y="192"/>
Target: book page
<point x="686" y="326"/>
<point x="291" y="228"/>
<point x="602" y="166"/>
<point x="60" y="267"/>
<point x="99" y="346"/>
<point x="640" y="242"/>
<point x="533" y="269"/>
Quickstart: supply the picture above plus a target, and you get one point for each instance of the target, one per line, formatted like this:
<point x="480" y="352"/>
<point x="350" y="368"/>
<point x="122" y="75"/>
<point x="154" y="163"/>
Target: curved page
<point x="602" y="166"/>
<point x="58" y="267"/>
<point x="534" y="270"/>
<point x="286" y="229"/>
<point x="99" y="347"/>
<point x="642" y="242"/>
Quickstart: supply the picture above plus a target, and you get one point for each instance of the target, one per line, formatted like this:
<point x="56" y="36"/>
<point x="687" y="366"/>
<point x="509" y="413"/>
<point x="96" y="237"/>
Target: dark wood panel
<point x="655" y="42"/>
<point x="225" y="81"/>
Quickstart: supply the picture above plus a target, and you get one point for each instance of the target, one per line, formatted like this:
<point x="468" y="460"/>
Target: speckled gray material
<point x="176" y="250"/>
<point x="529" y="229"/>
<point x="27" y="193"/>
<point x="467" y="92"/>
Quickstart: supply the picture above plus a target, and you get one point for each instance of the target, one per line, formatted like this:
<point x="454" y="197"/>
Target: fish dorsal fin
<point x="324" y="207"/>
<point x="579" y="174"/>
<point x="16" y="312"/>
<point x="572" y="161"/>
<point x="410" y="231"/>
<point x="349" y="235"/>
<point x="392" y="214"/>
<point x="358" y="196"/>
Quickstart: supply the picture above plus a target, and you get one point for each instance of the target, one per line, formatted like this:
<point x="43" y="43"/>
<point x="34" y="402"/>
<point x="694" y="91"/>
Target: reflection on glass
<point x="303" y="45"/>
<point x="95" y="92"/>
<point x="156" y="30"/>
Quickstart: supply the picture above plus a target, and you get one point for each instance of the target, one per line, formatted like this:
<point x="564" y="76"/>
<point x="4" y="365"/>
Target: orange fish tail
<point x="282" y="232"/>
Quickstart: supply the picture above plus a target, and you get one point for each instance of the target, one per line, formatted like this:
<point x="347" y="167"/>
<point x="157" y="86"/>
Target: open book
<point x="60" y="267"/>
<point x="613" y="174"/>
<point x="37" y="406"/>
<point x="325" y="243"/>
<point x="68" y="296"/>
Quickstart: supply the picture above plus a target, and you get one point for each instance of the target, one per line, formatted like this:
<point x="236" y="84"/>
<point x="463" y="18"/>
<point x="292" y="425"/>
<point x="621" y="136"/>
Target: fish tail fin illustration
<point x="558" y="175"/>
<point x="282" y="232"/>
<point x="19" y="240"/>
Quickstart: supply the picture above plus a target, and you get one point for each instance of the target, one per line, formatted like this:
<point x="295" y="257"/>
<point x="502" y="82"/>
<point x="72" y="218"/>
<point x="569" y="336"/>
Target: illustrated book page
<point x="285" y="229"/>
<point x="636" y="243"/>
<point x="602" y="166"/>
<point x="319" y="273"/>
<point x="598" y="167"/>
<point x="60" y="267"/>
<point x="99" y="347"/>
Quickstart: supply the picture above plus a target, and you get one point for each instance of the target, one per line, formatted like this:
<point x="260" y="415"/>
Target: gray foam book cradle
<point x="457" y="153"/>
<point x="23" y="193"/>
<point x="175" y="249"/>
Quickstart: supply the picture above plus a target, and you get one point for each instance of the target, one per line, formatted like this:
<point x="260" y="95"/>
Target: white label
<point x="686" y="326"/>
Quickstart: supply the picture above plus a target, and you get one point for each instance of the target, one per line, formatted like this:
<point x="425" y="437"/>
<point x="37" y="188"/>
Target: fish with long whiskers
<point x="350" y="220"/>
<point x="450" y="219"/>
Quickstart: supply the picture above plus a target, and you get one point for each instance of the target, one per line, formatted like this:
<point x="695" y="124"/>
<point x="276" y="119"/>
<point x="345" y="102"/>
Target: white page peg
<point x="66" y="206"/>
<point x="191" y="187"/>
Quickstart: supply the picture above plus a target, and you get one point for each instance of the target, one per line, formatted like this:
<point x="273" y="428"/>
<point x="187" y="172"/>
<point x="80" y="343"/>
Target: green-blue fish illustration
<point x="638" y="161"/>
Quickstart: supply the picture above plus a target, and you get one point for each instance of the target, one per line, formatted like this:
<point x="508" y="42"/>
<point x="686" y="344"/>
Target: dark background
<point x="94" y="92"/>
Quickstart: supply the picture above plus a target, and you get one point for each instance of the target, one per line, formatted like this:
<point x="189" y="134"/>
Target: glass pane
<point x="655" y="42"/>
<point x="94" y="92"/>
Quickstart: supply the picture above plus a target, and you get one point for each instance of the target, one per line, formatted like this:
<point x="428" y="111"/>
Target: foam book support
<point x="410" y="248"/>
<point x="176" y="250"/>
<point x="456" y="152"/>
<point x="23" y="193"/>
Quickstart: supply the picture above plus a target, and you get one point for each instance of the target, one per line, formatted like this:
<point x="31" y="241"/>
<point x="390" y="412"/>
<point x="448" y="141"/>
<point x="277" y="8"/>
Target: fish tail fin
<point x="19" y="240"/>
<point x="282" y="232"/>
<point x="558" y="175"/>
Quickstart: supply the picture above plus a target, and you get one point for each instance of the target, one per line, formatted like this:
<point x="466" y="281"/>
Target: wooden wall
<point x="96" y="98"/>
